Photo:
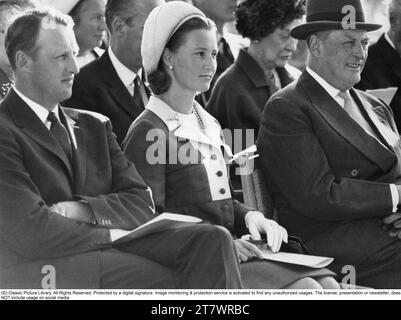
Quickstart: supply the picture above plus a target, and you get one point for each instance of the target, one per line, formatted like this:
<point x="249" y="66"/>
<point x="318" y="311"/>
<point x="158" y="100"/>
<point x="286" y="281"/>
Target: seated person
<point x="66" y="188"/>
<point x="331" y="154"/>
<point x="176" y="145"/>
<point x="240" y="94"/>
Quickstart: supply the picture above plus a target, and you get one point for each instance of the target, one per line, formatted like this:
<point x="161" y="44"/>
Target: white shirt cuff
<point x="394" y="196"/>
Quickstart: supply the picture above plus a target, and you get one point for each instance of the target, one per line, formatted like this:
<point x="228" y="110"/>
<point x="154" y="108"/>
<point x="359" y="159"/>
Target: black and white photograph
<point x="210" y="153"/>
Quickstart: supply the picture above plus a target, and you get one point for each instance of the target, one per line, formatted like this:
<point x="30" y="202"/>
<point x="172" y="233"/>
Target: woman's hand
<point x="257" y="224"/>
<point x="246" y="250"/>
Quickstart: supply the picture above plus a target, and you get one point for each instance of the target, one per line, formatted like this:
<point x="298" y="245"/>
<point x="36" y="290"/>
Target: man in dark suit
<point x="66" y="189"/>
<point x="331" y="155"/>
<point x="383" y="66"/>
<point x="113" y="85"/>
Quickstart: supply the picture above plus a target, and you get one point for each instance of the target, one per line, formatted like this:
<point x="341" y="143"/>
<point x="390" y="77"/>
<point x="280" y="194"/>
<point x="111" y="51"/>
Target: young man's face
<point x="52" y="68"/>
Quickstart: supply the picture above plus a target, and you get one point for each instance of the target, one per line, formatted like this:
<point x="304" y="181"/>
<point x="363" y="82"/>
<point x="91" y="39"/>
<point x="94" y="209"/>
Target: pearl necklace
<point x="200" y="121"/>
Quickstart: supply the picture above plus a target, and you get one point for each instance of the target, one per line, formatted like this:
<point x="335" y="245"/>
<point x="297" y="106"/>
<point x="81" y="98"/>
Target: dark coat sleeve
<point x="129" y="203"/>
<point x="26" y="223"/>
<point x="137" y="147"/>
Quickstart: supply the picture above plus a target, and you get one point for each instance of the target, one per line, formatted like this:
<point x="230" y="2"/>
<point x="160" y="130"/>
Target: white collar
<point x="126" y="75"/>
<point x="167" y="114"/>
<point x="332" y="91"/>
<point x="40" y="111"/>
<point x="185" y="129"/>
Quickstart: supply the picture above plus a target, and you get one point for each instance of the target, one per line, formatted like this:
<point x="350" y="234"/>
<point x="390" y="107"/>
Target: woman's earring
<point x="170" y="67"/>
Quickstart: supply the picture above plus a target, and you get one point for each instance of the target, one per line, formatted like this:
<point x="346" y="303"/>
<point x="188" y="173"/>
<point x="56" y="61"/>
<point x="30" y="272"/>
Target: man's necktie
<point x="352" y="109"/>
<point x="137" y="94"/>
<point x="225" y="50"/>
<point x="60" y="133"/>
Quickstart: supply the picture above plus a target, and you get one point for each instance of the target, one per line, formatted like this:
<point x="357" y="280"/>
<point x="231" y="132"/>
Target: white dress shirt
<point x="126" y="75"/>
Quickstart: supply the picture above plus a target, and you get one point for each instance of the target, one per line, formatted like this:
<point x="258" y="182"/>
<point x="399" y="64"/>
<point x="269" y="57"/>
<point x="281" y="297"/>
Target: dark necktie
<point x="60" y="133"/>
<point x="137" y="93"/>
<point x="225" y="50"/>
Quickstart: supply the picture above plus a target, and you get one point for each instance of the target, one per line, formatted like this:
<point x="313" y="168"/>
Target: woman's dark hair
<point x="159" y="81"/>
<point x="256" y="19"/>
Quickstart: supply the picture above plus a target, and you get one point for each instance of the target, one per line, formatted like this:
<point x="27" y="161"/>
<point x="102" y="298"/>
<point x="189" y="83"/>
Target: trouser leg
<point x="121" y="270"/>
<point x="201" y="255"/>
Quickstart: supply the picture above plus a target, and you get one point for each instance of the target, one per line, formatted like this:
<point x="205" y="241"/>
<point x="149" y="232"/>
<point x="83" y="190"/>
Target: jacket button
<point x="222" y="191"/>
<point x="213" y="157"/>
<point x="354" y="173"/>
<point x="219" y="173"/>
<point x="225" y="207"/>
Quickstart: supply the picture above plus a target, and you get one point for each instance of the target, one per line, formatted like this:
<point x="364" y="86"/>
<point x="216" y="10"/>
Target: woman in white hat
<point x="90" y="25"/>
<point x="177" y="146"/>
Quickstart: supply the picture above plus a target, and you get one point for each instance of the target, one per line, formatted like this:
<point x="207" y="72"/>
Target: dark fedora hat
<point x="324" y="15"/>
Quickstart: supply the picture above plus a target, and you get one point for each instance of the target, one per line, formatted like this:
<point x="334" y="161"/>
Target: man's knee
<point x="215" y="235"/>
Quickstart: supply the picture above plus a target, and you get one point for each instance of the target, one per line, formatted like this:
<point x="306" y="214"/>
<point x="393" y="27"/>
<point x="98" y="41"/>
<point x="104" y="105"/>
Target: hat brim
<point x="302" y="31"/>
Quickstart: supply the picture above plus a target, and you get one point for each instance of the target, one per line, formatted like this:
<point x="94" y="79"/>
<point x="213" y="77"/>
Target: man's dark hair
<point x="256" y="19"/>
<point x="117" y="8"/>
<point x="23" y="32"/>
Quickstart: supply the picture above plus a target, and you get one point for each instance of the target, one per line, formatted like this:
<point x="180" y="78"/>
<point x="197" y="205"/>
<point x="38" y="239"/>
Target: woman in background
<point x="89" y="28"/>
<point x="241" y="93"/>
<point x="177" y="146"/>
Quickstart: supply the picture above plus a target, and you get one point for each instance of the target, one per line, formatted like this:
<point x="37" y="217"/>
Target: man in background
<point x="113" y="85"/>
<point x="383" y="66"/>
<point x="221" y="12"/>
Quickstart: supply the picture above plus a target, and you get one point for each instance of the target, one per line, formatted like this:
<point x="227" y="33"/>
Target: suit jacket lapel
<point x="185" y="131"/>
<point x="341" y="122"/>
<point x="78" y="151"/>
<point x="116" y="88"/>
<point x="285" y="77"/>
<point x="371" y="115"/>
<point x="26" y="119"/>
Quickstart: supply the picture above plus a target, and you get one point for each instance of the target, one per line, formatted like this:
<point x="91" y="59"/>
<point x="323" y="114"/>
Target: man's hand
<point x="76" y="210"/>
<point x="246" y="250"/>
<point x="392" y="224"/>
<point x="257" y="224"/>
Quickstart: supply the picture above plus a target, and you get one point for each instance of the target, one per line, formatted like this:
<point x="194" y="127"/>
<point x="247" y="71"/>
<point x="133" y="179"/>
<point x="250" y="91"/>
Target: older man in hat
<point x="331" y="154"/>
